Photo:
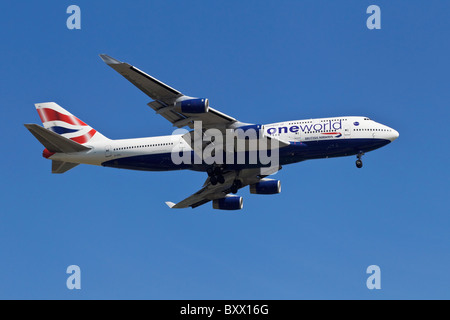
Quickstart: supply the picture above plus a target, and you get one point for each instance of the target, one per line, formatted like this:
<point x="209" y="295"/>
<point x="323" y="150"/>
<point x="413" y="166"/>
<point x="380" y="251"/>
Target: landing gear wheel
<point x="217" y="171"/>
<point x="215" y="175"/>
<point x="359" y="163"/>
<point x="220" y="179"/>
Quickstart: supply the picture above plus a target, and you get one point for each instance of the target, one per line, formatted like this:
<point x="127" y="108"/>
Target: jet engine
<point x="229" y="203"/>
<point x="266" y="186"/>
<point x="200" y="105"/>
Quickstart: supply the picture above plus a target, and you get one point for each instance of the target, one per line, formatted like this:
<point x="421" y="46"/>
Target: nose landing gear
<point x="359" y="162"/>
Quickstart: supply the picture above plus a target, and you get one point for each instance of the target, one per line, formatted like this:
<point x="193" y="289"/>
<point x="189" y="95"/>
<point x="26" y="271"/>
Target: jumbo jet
<point x="68" y="142"/>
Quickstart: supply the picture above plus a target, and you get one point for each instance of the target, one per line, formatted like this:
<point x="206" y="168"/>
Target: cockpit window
<point x="366" y="119"/>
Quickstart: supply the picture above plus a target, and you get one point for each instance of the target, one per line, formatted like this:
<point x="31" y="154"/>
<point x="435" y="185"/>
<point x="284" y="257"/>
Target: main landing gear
<point x="237" y="184"/>
<point x="215" y="175"/>
<point x="359" y="162"/>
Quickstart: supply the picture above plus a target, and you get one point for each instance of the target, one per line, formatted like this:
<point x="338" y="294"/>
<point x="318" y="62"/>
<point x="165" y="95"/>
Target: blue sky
<point x="261" y="62"/>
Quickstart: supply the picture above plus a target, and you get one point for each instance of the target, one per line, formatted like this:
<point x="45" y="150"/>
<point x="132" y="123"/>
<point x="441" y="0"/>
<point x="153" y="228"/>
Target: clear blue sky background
<point x="261" y="62"/>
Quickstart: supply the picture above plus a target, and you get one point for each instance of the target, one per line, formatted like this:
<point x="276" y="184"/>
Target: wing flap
<point x="169" y="114"/>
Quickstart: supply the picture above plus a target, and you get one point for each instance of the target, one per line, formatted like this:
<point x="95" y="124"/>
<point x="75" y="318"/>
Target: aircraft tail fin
<point x="62" y="122"/>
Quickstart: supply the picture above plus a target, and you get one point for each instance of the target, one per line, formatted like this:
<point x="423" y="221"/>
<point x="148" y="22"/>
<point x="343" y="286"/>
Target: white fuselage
<point x="328" y="136"/>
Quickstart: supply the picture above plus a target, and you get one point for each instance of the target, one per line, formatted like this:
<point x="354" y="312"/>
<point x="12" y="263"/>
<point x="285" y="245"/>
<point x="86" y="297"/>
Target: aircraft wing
<point x="165" y="97"/>
<point x="204" y="195"/>
<point x="212" y="192"/>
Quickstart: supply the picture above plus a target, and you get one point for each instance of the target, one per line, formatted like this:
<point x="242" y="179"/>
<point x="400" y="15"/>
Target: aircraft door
<point x="347" y="131"/>
<point x="108" y="151"/>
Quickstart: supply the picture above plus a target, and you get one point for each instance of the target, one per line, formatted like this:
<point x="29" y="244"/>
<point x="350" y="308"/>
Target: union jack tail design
<point x="60" y="121"/>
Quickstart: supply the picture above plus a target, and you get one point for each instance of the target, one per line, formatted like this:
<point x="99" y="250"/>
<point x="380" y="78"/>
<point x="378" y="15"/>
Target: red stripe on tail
<point x="84" y="138"/>
<point x="51" y="115"/>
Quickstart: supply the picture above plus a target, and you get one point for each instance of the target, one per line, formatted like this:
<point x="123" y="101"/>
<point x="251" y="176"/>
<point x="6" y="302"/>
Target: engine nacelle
<point x="200" y="105"/>
<point x="229" y="203"/>
<point x="266" y="186"/>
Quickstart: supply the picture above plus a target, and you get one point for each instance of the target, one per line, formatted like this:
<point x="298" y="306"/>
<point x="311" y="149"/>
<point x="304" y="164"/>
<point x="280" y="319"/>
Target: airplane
<point x="68" y="142"/>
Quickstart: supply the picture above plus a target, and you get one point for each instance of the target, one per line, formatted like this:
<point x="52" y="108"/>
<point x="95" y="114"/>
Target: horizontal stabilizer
<point x="61" y="167"/>
<point x="53" y="141"/>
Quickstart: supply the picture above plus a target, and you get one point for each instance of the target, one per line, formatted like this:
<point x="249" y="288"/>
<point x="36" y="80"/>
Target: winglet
<point x="170" y="204"/>
<point x="109" y="60"/>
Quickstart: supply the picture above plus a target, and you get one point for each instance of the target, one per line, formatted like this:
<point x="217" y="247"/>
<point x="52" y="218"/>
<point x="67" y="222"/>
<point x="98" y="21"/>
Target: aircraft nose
<point x="393" y="135"/>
